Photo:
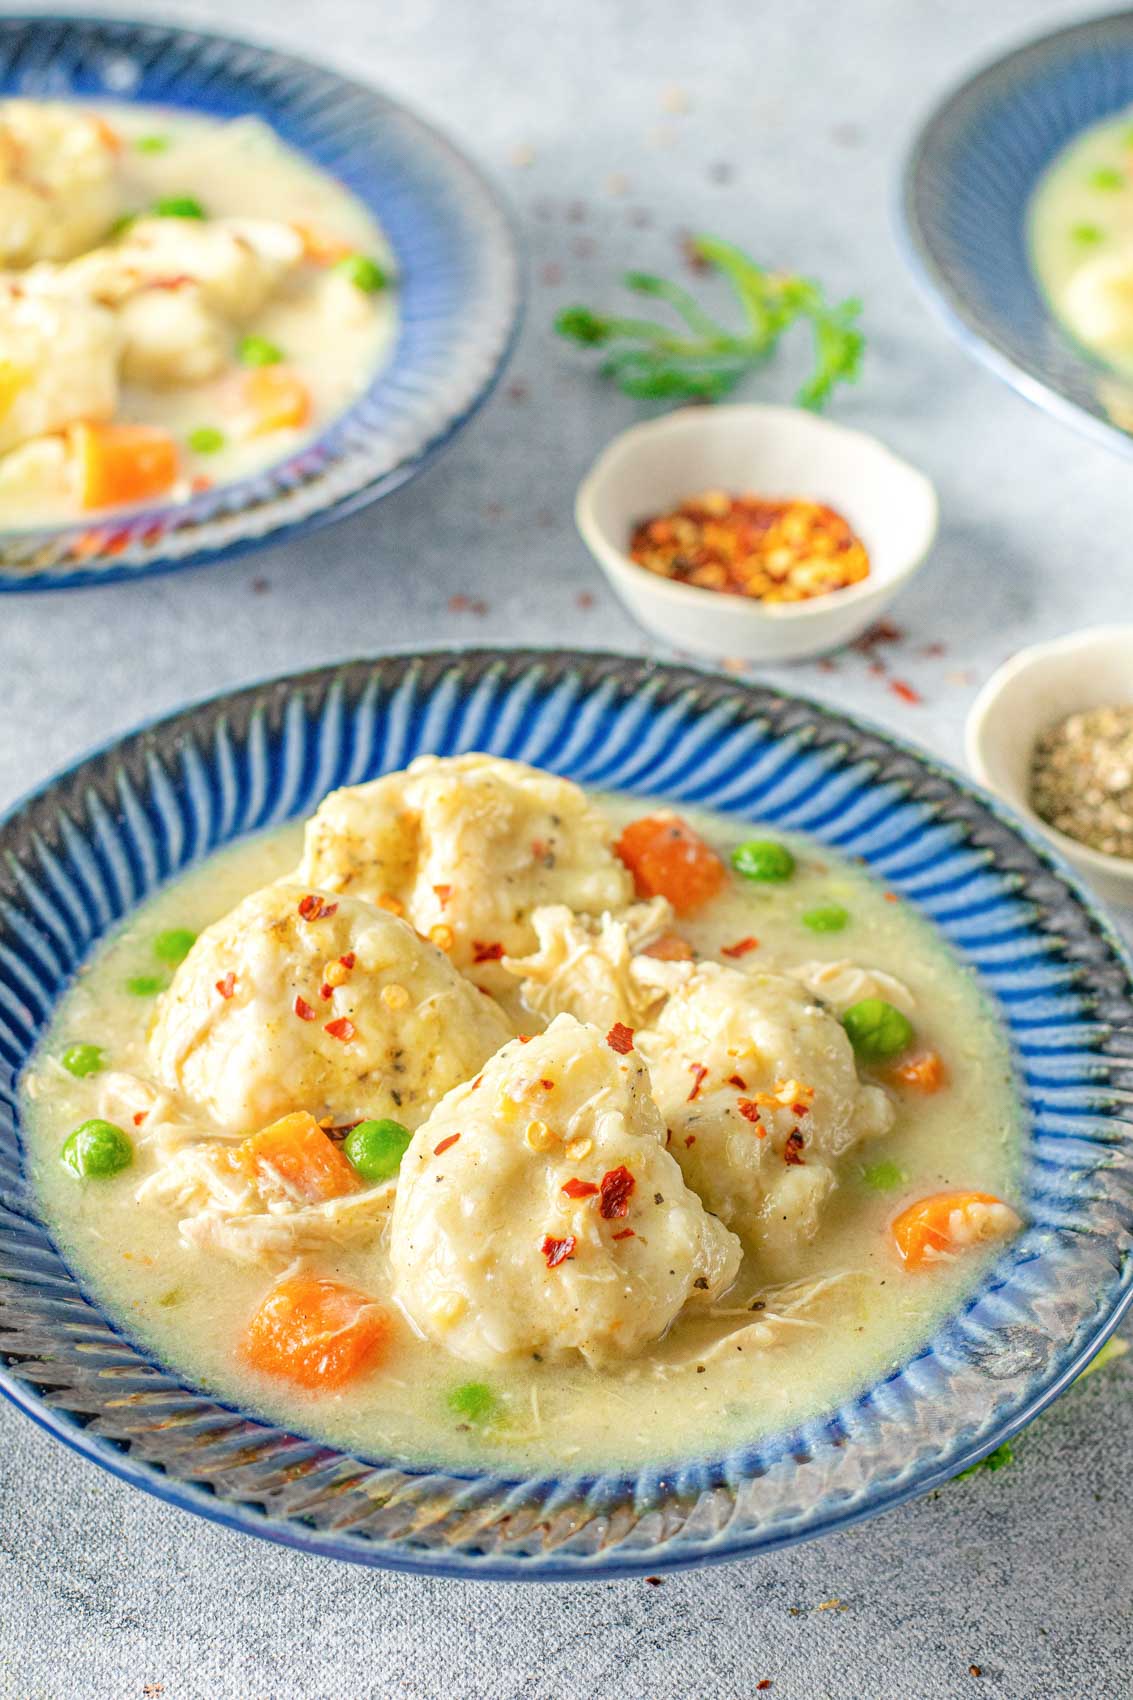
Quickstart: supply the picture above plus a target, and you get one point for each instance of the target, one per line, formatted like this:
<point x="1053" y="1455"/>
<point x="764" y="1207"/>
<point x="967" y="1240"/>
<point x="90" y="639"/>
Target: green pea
<point x="258" y="351"/>
<point x="81" y="1060"/>
<point x="206" y="440"/>
<point x="363" y="272"/>
<point x="145" y="985"/>
<point x="1107" y="177"/>
<point x="1087" y="235"/>
<point x="877" y="1030"/>
<point x="178" y="206"/>
<point x="826" y="918"/>
<point x="152" y="144"/>
<point x="474" y="1401"/>
<point x="884" y="1176"/>
<point x="174" y="945"/>
<point x="95" y="1150"/>
<point x="376" y="1148"/>
<point x="763" y="859"/>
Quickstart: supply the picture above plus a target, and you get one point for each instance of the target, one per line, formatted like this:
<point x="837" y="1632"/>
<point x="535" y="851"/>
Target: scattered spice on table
<point x="773" y="550"/>
<point x="1082" y="778"/>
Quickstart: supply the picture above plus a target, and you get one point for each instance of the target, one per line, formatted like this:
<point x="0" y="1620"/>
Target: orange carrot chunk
<point x="123" y="463"/>
<point x="947" y="1223"/>
<point x="921" y="1074"/>
<point x="319" y="246"/>
<point x="296" y="1152"/>
<point x="316" y="1333"/>
<point x="668" y="859"/>
<point x="275" y="399"/>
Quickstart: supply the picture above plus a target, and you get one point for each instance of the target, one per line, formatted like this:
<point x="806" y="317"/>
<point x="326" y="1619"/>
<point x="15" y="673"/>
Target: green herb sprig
<point x="663" y="363"/>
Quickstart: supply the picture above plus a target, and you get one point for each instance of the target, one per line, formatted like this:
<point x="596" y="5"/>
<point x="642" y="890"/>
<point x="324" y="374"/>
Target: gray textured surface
<point x="1024" y="1573"/>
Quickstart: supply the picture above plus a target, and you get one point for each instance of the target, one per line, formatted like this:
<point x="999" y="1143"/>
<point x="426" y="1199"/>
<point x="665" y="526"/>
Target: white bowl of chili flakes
<point x="797" y="468"/>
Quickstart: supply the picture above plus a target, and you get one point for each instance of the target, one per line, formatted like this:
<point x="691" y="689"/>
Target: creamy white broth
<point x="190" y="1308"/>
<point x="331" y="337"/>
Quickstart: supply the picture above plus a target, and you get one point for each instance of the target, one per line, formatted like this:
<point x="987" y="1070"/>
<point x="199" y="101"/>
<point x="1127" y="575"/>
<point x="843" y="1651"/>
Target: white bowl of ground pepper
<point x="1052" y="733"/>
<point x="833" y="525"/>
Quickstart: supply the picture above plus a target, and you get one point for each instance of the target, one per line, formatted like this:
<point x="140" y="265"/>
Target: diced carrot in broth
<point x="276" y="399"/>
<point x="123" y="463"/>
<point x="948" y="1223"/>
<point x="668" y="859"/>
<point x="298" y="1153"/>
<point x="921" y="1074"/>
<point x="107" y="134"/>
<point x="319" y="246"/>
<point x="316" y="1333"/>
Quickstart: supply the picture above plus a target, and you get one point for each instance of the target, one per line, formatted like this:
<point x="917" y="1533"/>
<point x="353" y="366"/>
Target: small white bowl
<point x="1036" y="688"/>
<point x="780" y="452"/>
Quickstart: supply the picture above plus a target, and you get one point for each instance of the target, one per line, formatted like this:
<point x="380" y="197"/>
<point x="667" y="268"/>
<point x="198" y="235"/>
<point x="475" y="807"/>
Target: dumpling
<point x="58" y="364"/>
<point x="58" y="191"/>
<point x="1099" y="302"/>
<point x="299" y="1001"/>
<point x="236" y="263"/>
<point x="598" y="969"/>
<point x="468" y="847"/>
<point x="172" y="336"/>
<point x="538" y="1212"/>
<point x="758" y="1086"/>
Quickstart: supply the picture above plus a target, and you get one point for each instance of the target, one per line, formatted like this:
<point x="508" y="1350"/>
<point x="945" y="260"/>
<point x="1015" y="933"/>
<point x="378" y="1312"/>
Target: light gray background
<point x="804" y="109"/>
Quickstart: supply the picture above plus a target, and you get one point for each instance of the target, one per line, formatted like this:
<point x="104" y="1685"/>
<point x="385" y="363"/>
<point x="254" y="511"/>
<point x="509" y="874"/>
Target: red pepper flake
<point x="626" y="1234"/>
<point x="691" y="1140"/>
<point x="303" y="1010"/>
<point x="800" y="1109"/>
<point x="738" y="1081"/>
<point x="574" y="1188"/>
<point x="763" y="1683"/>
<point x="341" y="1029"/>
<point x="620" y="1038"/>
<point x="698" y="1073"/>
<point x="312" y="908"/>
<point x="890" y="896"/>
<point x="557" y="1251"/>
<point x="348" y="960"/>
<point x="617" y="1185"/>
<point x="585" y="599"/>
<point x="227" y="986"/>
<point x="326" y="991"/>
<point x="547" y="1085"/>
<point x="445" y="1144"/>
<point x="655" y="1581"/>
<point x="524" y="1038"/>
<point x="486" y="952"/>
<point x="442" y="893"/>
<point x="750" y="1113"/>
<point x="793" y="1147"/>
<point x="740" y="948"/>
<point x="476" y="1083"/>
<point x="140" y="1117"/>
<point x="538" y="849"/>
<point x="906" y="692"/>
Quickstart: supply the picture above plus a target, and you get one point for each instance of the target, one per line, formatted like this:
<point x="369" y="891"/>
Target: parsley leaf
<point x="704" y="360"/>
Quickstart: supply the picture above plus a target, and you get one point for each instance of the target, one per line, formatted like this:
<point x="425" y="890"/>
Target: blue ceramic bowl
<point x="80" y="854"/>
<point x="967" y="184"/>
<point x="459" y="287"/>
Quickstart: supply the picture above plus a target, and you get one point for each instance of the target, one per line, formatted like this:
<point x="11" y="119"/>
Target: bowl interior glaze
<point x="91" y="845"/>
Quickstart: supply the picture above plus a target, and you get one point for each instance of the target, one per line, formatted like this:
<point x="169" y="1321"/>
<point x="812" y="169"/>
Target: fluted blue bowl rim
<point x="651" y="699"/>
<point x="942" y="284"/>
<point x="295" y="496"/>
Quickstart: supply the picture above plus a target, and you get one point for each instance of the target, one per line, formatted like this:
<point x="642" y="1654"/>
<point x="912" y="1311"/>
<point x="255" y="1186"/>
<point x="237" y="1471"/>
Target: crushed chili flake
<point x="547" y="1085"/>
<point x="620" y="1038"/>
<point x="524" y="1038"/>
<point x="312" y="908"/>
<point x="303" y="1009"/>
<point x="482" y="952"/>
<point x="227" y="986"/>
<point x="907" y="693"/>
<point x="691" y="1140"/>
<point x="698" y="1073"/>
<point x="800" y="1109"/>
<point x="625" y="1234"/>
<point x="442" y="893"/>
<point x="617" y="1185"/>
<point x="140" y="1117"/>
<point x="338" y="1130"/>
<point x="763" y="1683"/>
<point x="574" y="1188"/>
<point x="740" y="948"/>
<point x="557" y="1251"/>
<point x="750" y="1113"/>
<point x="738" y="1081"/>
<point x="793" y="1147"/>
<point x="655" y="1581"/>
<point x="348" y="960"/>
<point x="343" y="1029"/>
<point x="445" y="1144"/>
<point x="770" y="550"/>
<point x="326" y="991"/>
